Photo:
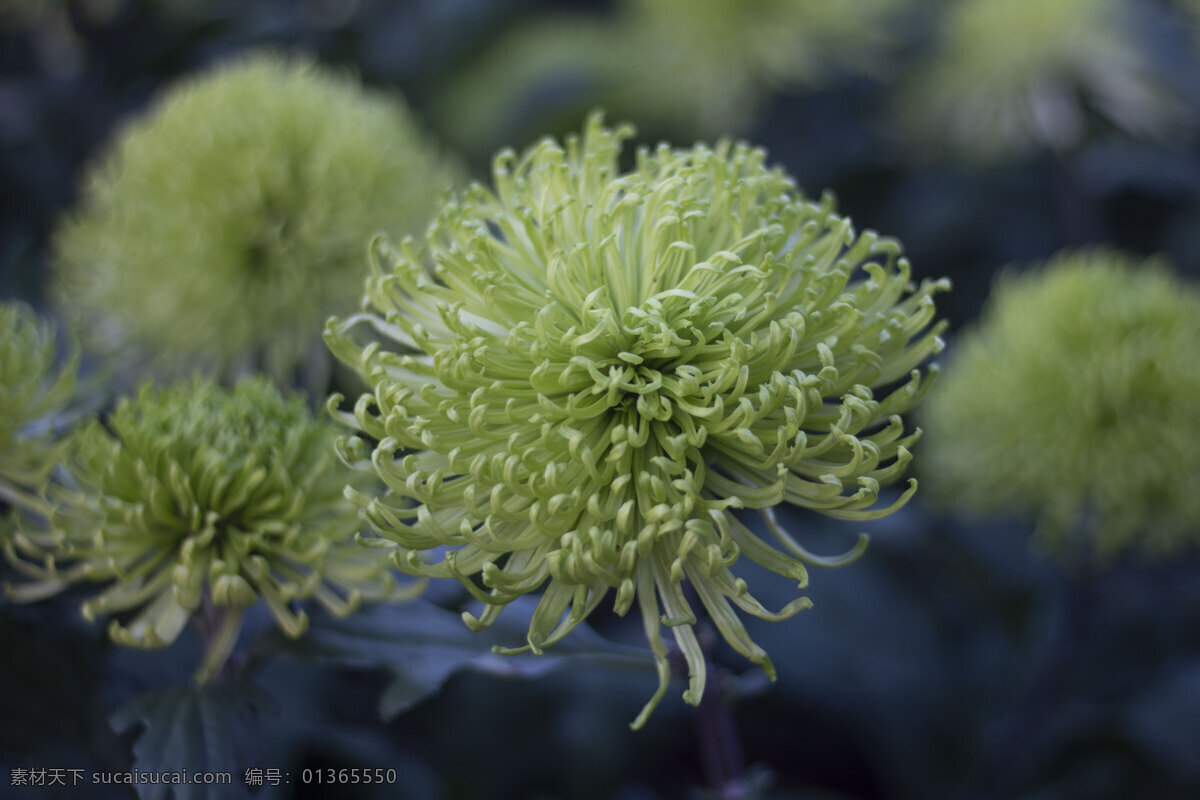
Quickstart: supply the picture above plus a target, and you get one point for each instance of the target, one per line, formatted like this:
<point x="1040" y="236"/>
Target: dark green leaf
<point x="423" y="645"/>
<point x="210" y="729"/>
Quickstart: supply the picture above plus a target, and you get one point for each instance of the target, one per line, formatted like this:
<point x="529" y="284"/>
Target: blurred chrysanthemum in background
<point x="222" y="227"/>
<point x="714" y="63"/>
<point x="1076" y="400"/>
<point x="195" y="498"/>
<point x="582" y="373"/>
<point x="23" y="13"/>
<point x="1010" y="76"/>
<point x="35" y="390"/>
<point x="702" y="68"/>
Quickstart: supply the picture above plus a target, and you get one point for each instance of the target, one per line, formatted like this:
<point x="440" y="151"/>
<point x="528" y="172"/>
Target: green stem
<point x="720" y="750"/>
<point x="221" y="639"/>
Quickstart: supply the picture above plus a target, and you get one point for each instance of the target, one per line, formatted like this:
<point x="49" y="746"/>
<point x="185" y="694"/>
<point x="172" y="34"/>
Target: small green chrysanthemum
<point x="587" y="371"/>
<point x="229" y="222"/>
<point x="1076" y="400"/>
<point x="33" y="391"/>
<point x="194" y="496"/>
<point x="1009" y="76"/>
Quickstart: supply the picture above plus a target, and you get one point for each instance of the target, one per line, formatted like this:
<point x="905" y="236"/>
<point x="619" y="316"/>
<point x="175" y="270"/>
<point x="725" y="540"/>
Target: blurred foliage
<point x="422" y="645"/>
<point x="205" y="729"/>
<point x="918" y="663"/>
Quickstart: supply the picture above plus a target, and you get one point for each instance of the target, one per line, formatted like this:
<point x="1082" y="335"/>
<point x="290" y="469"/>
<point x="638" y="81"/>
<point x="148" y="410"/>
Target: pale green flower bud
<point x="1076" y="401"/>
<point x="226" y="224"/>
<point x="195" y="496"/>
<point x="582" y="373"/>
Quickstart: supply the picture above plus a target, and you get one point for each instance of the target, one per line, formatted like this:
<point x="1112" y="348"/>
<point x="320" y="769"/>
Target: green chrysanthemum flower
<point x="33" y="391"/>
<point x="228" y="223"/>
<point x="1013" y="75"/>
<point x="593" y="369"/>
<point x="199" y="498"/>
<point x="1076" y="400"/>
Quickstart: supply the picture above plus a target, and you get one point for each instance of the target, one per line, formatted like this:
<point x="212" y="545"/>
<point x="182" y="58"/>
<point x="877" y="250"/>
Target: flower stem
<point x="720" y="750"/>
<point x="220" y="639"/>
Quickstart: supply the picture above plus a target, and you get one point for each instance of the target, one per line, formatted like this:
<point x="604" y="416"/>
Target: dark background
<point x="954" y="660"/>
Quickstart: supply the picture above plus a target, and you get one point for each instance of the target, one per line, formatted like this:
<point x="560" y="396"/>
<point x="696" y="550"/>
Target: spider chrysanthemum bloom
<point x="197" y="498"/>
<point x="34" y="389"/>
<point x="1076" y="401"/>
<point x="1010" y="76"/>
<point x="585" y="372"/>
<point x="226" y="224"/>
